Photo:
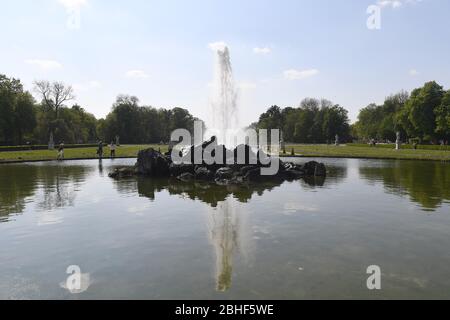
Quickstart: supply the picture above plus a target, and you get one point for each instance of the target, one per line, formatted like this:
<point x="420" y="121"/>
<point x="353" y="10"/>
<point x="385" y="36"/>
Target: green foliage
<point x="443" y="116"/>
<point x="380" y="122"/>
<point x="136" y="124"/>
<point x="17" y="116"/>
<point x="420" y="108"/>
<point x="403" y="146"/>
<point x="313" y="122"/>
<point x="44" y="147"/>
<point x="425" y="115"/>
<point x="23" y="121"/>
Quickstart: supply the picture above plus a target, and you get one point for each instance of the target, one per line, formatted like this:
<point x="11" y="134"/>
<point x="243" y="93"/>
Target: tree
<point x="24" y="116"/>
<point x="443" y="117"/>
<point x="54" y="95"/>
<point x="315" y="121"/>
<point x="421" y="109"/>
<point x="272" y="119"/>
<point x="369" y="120"/>
<point x="10" y="89"/>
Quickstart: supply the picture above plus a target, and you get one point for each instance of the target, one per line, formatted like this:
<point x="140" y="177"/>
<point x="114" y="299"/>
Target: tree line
<point x="423" y="115"/>
<point x="25" y="121"/>
<point x="314" y="121"/>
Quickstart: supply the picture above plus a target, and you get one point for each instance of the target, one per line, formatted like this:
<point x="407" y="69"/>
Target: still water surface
<point x="157" y="239"/>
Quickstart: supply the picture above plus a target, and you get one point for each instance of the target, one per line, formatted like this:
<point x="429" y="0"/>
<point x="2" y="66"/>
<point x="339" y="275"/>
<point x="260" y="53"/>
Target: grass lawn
<point x="82" y="153"/>
<point x="300" y="150"/>
<point x="366" y="152"/>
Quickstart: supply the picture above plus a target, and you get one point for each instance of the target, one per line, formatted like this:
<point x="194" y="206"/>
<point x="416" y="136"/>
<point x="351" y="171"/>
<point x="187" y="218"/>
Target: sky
<point x="282" y="51"/>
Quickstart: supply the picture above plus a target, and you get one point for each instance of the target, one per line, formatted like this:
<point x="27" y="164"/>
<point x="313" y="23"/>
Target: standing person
<point x="112" y="147"/>
<point x="100" y="150"/>
<point x="61" y="151"/>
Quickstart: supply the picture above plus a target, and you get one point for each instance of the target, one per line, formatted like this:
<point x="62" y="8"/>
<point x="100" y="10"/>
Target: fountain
<point x="224" y="109"/>
<point x="233" y="161"/>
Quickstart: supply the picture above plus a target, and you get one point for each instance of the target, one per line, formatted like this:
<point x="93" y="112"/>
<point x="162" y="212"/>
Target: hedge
<point x="403" y="146"/>
<point x="44" y="147"/>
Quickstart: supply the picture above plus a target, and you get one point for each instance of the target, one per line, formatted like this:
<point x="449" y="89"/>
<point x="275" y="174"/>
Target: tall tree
<point x="443" y="117"/>
<point x="421" y="107"/>
<point x="24" y="116"/>
<point x="10" y="89"/>
<point x="54" y="95"/>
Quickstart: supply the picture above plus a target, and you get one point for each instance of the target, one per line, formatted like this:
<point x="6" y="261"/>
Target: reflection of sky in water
<point x="141" y="238"/>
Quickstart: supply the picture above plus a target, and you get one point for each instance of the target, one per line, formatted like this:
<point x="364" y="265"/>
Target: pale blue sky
<point x="158" y="50"/>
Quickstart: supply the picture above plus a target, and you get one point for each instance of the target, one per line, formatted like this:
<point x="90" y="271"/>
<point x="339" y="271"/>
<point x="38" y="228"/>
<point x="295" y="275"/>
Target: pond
<point x="158" y="239"/>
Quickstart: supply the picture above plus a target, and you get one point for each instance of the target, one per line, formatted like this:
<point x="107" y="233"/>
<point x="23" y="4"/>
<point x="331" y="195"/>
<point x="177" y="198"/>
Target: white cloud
<point x="137" y="74"/>
<point x="44" y="64"/>
<point x="217" y="46"/>
<point x="264" y="50"/>
<point x="73" y="4"/>
<point x="395" y="3"/>
<point x="293" y="74"/>
<point x="413" y="72"/>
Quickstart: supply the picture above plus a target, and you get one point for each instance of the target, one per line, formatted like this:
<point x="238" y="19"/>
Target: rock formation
<point x="152" y="163"/>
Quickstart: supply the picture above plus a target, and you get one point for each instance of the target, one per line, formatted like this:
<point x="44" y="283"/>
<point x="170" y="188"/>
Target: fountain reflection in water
<point x="229" y="234"/>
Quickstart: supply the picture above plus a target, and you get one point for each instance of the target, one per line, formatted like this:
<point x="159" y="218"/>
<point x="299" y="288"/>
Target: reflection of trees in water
<point x="58" y="184"/>
<point x="16" y="184"/>
<point x="426" y="183"/>
<point x="211" y="194"/>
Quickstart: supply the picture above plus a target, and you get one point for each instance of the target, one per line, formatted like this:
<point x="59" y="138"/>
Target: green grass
<point x="404" y="146"/>
<point x="80" y="153"/>
<point x="344" y="151"/>
<point x="300" y="150"/>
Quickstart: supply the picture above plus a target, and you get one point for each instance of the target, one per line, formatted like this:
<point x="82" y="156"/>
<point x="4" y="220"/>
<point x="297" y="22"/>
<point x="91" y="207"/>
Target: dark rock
<point x="152" y="163"/>
<point x="244" y="155"/>
<point x="225" y="173"/>
<point x="186" y="177"/>
<point x="253" y="175"/>
<point x="321" y="170"/>
<point x="243" y="171"/>
<point x="178" y="169"/>
<point x="202" y="173"/>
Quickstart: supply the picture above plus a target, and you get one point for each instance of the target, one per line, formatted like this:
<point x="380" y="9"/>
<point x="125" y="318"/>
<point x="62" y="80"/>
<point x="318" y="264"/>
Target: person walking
<point x="100" y="150"/>
<point x="61" y="151"/>
<point x="112" y="147"/>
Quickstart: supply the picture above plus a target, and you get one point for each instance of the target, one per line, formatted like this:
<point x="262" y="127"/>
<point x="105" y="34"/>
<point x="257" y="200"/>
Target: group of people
<point x="112" y="148"/>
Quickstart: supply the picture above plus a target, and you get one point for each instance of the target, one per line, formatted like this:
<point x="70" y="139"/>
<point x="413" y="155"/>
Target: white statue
<point x="51" y="142"/>
<point x="398" y="142"/>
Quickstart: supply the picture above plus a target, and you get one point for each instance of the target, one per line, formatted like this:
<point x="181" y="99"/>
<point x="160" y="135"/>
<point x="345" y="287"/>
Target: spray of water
<point x="224" y="111"/>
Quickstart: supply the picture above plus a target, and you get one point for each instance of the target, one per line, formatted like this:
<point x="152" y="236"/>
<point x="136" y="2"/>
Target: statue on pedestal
<point x="336" y="142"/>
<point x="398" y="142"/>
<point x="51" y="142"/>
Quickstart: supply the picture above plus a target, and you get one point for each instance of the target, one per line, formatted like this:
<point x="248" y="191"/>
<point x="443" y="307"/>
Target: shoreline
<point x="3" y="162"/>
